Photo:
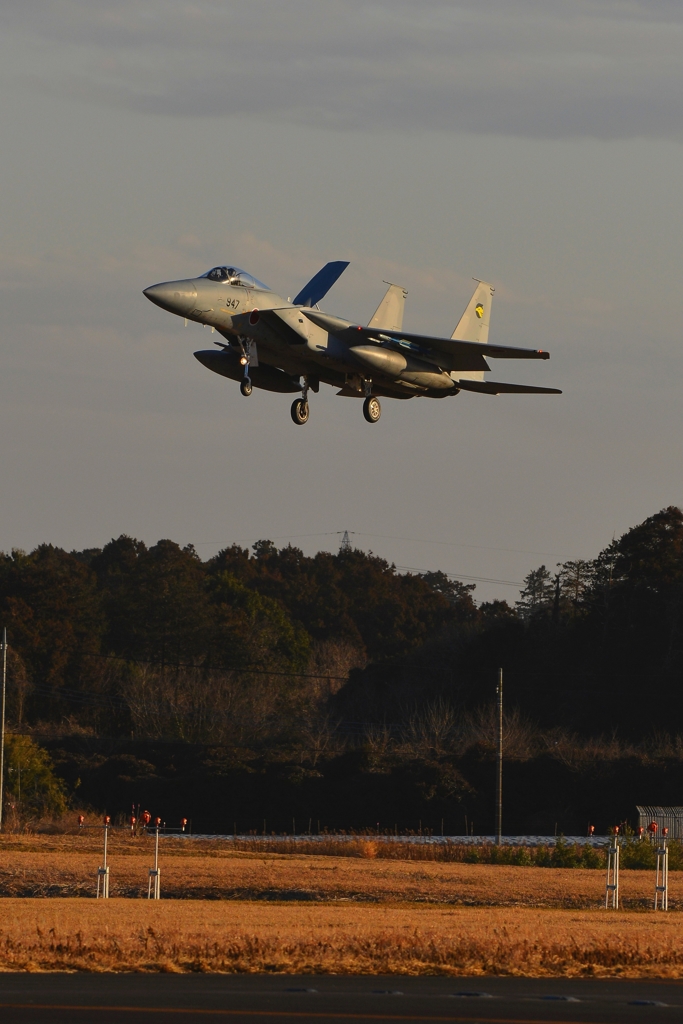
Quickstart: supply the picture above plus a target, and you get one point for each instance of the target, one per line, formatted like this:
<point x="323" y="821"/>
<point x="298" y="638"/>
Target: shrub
<point x="31" y="787"/>
<point x="637" y="853"/>
<point x="544" y="857"/>
<point x="676" y="855"/>
<point x="592" y="858"/>
<point x="564" y="855"/>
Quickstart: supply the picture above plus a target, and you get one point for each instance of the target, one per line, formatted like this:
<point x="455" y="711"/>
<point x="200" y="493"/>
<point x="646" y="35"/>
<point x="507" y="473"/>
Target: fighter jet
<point x="291" y="346"/>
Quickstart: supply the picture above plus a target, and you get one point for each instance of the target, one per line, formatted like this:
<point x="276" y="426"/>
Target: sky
<point x="535" y="144"/>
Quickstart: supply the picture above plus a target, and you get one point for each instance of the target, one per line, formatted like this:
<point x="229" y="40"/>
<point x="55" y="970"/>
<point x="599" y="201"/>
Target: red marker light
<point x="107" y="820"/>
<point x="81" y="819"/>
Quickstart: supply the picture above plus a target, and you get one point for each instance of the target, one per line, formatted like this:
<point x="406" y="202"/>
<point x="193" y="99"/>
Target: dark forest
<point x="265" y="689"/>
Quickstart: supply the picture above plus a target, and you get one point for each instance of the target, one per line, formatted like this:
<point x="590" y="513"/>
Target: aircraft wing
<point x="283" y="320"/>
<point x="447" y="353"/>
<point x="492" y="387"/>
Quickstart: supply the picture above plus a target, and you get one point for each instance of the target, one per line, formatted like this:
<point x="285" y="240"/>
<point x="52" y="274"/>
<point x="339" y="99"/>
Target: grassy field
<point x="238" y="911"/>
<point x="182" y="936"/>
<point x="66" y="866"/>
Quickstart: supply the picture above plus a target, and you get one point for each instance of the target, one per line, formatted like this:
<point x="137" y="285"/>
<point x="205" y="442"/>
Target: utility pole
<point x="499" y="780"/>
<point x="2" y="721"/>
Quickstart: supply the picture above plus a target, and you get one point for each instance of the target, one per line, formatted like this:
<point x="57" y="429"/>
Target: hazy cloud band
<point x="552" y="69"/>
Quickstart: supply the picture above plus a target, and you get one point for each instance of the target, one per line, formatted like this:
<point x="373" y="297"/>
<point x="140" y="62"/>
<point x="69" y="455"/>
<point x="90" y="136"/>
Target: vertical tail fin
<point x="389" y="313"/>
<point x="318" y="287"/>
<point x="474" y="323"/>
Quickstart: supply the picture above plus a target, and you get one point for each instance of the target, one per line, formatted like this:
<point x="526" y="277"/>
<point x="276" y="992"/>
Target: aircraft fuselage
<point x="273" y="343"/>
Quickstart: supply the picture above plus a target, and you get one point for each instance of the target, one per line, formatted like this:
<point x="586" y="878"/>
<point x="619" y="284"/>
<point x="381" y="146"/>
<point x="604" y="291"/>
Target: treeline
<point x="268" y="684"/>
<point x="591" y="647"/>
<point x="241" y="648"/>
<point x="248" y="646"/>
<point x="425" y="778"/>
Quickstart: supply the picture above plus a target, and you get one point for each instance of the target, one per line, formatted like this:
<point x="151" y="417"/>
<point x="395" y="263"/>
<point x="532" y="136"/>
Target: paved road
<point x="181" y="999"/>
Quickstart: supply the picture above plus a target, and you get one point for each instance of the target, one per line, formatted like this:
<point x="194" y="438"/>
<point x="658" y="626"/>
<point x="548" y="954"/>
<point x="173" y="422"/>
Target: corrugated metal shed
<point x="666" y="817"/>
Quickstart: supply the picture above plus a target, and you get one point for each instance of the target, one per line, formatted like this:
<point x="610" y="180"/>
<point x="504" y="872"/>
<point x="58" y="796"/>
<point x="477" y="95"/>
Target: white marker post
<point x="662" y="877"/>
<point x="103" y="871"/>
<point x="612" y="885"/>
<point x="154" y="882"/>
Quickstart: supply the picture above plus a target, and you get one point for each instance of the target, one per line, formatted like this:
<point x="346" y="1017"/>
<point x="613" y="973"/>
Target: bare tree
<point x="521" y="738"/>
<point x="330" y="663"/>
<point x="431" y="728"/>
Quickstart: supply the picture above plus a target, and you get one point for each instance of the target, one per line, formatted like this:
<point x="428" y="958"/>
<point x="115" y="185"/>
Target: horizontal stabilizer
<point x="320" y="285"/>
<point x="491" y="387"/>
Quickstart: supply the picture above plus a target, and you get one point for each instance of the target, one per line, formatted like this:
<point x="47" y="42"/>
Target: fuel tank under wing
<point x="268" y="378"/>
<point x="444" y="352"/>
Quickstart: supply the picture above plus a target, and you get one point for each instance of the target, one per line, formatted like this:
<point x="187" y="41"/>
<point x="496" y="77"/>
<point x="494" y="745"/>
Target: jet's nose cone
<point x="176" y="296"/>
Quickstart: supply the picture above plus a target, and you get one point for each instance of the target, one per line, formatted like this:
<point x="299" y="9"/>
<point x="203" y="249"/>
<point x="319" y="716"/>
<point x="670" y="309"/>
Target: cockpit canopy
<point x="236" y="277"/>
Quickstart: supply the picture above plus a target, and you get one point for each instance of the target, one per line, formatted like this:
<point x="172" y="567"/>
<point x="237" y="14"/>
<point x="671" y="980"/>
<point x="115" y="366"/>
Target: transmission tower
<point x="345" y="543"/>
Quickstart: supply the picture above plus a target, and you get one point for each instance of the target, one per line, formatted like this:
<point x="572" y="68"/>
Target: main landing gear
<point x="299" y="410"/>
<point x="372" y="410"/>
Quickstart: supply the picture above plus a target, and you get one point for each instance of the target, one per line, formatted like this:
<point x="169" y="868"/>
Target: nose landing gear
<point x="299" y="410"/>
<point x="246" y="386"/>
<point x="372" y="410"/>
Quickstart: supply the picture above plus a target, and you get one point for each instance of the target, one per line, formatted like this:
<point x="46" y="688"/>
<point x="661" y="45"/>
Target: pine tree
<point x="537" y="595"/>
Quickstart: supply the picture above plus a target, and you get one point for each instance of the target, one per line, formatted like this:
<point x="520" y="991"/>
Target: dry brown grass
<point x="66" y="866"/>
<point x="123" y="935"/>
<point x="367" y="847"/>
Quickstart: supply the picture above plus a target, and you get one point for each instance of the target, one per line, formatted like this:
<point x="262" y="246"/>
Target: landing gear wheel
<point x="246" y="386"/>
<point x="372" y="410"/>
<point x="300" y="411"/>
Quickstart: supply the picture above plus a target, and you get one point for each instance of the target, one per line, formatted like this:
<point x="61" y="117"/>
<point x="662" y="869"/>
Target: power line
<point x="387" y="536"/>
<point x="460" y="576"/>
<point x="455" y="544"/>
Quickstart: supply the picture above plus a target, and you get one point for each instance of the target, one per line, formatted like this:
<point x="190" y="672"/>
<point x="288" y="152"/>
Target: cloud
<point x="532" y="68"/>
